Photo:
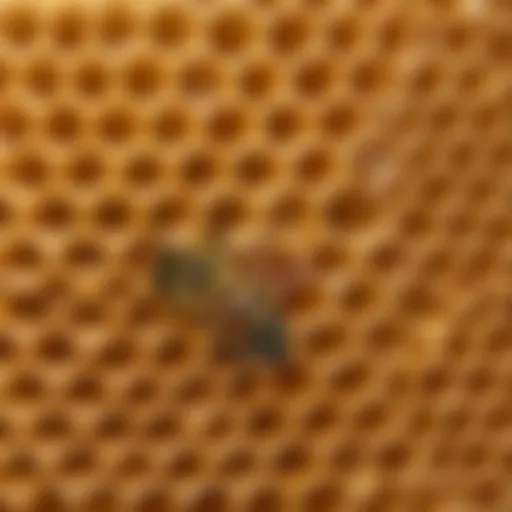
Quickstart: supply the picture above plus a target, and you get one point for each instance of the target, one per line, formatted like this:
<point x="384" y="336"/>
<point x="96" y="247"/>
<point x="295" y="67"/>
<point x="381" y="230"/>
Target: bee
<point x="239" y="294"/>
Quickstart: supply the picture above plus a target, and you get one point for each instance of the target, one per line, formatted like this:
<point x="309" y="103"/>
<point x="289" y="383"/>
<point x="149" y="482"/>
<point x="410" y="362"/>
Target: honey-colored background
<point x="375" y="136"/>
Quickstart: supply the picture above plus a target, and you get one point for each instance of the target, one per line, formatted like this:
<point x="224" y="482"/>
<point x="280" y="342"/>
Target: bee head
<point x="182" y="275"/>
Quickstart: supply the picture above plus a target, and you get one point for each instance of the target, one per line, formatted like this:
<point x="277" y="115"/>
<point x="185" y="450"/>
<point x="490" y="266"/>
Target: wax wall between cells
<point x="373" y="137"/>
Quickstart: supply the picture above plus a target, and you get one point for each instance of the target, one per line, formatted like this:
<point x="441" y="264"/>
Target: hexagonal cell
<point x="20" y="25"/>
<point x="170" y="26"/>
<point x="115" y="26"/>
<point x="231" y="31"/>
<point x="288" y="33"/>
<point x="69" y="28"/>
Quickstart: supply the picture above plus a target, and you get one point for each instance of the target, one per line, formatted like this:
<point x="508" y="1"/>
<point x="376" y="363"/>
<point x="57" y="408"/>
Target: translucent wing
<point x="271" y="269"/>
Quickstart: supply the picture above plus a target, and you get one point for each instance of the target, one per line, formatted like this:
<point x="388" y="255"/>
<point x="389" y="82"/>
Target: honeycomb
<point x="372" y="136"/>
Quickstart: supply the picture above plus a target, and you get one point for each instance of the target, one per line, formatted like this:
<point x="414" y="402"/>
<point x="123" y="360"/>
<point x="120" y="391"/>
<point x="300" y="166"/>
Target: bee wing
<point x="276" y="271"/>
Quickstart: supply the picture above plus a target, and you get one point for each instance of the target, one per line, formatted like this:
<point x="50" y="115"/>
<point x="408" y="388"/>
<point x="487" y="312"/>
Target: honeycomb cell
<point x="115" y="25"/>
<point x="152" y="500"/>
<point x="384" y="335"/>
<point x="199" y="166"/>
<point x="327" y="256"/>
<point x="199" y="77"/>
<point x="264" y="421"/>
<point x="43" y="77"/>
<point x="112" y="213"/>
<point x="225" y="212"/>
<point x="8" y="348"/>
<point x="49" y="499"/>
<point x="324" y="338"/>
<point x="368" y="76"/>
<point x="231" y="32"/>
<point x="209" y="498"/>
<point x="349" y="377"/>
<point x="500" y="45"/>
<point x="86" y="167"/>
<point x="170" y="26"/>
<point x="52" y="425"/>
<point x="112" y="425"/>
<point x="348" y="210"/>
<point x="64" y="124"/>
<point x="193" y="389"/>
<point x="69" y="28"/>
<point x="292" y="458"/>
<point x="29" y="306"/>
<point x="142" y="76"/>
<point x="141" y="389"/>
<point x="55" y="213"/>
<point x="471" y="79"/>
<point x="257" y="79"/>
<point x="347" y="456"/>
<point x="56" y="348"/>
<point x="426" y="79"/>
<point x="218" y="425"/>
<point x="287" y="210"/>
<point x="102" y="499"/>
<point x="393" y="32"/>
<point x="116" y="125"/>
<point x="254" y="167"/>
<point x="288" y="33"/>
<point x="91" y="78"/>
<point x="265" y="498"/>
<point x="143" y="169"/>
<point x="170" y="124"/>
<point x="29" y="169"/>
<point x="132" y="464"/>
<point x="356" y="296"/>
<point x="26" y="387"/>
<point x="184" y="464"/>
<point x="14" y="124"/>
<point x="323" y="497"/>
<point x="369" y="416"/>
<point x="116" y="352"/>
<point x="171" y="350"/>
<point x="4" y="75"/>
<point x="283" y="123"/>
<point x="84" y="253"/>
<point x="226" y="124"/>
<point x="162" y="426"/>
<point x="343" y="32"/>
<point x="21" y="464"/>
<point x="292" y="381"/>
<point x="20" y="26"/>
<point x="77" y="460"/>
<point x="313" y="78"/>
<point x="237" y="463"/>
<point x="23" y="255"/>
<point x="339" y="119"/>
<point x="85" y="388"/>
<point x="6" y="211"/>
<point x="386" y="256"/>
<point x="319" y="419"/>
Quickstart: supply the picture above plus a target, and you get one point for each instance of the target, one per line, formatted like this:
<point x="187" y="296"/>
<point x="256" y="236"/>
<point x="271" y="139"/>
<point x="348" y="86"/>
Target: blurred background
<point x="373" y="138"/>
